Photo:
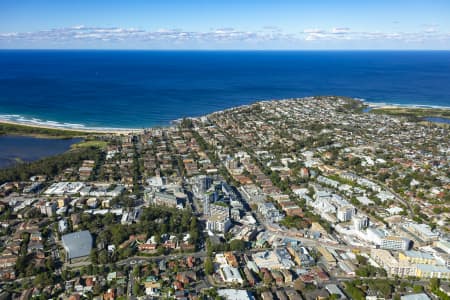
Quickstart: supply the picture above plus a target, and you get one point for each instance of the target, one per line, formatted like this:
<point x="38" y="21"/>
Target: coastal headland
<point x="45" y="130"/>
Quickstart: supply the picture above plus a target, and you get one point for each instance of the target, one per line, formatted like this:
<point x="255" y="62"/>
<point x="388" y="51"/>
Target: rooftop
<point x="418" y="254"/>
<point x="232" y="294"/>
<point x="77" y="244"/>
<point x="421" y="296"/>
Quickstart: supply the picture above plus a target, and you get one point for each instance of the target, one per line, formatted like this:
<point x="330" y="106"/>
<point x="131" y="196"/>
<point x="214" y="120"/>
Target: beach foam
<point x="19" y="119"/>
<point x="32" y="121"/>
<point x="406" y="105"/>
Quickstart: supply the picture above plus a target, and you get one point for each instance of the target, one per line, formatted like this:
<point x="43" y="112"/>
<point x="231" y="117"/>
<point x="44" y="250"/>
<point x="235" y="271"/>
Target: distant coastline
<point x="48" y="124"/>
<point x="109" y="90"/>
<point x="399" y="105"/>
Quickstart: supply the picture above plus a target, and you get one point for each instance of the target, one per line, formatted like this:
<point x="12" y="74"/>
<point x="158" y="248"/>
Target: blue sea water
<point x="135" y="89"/>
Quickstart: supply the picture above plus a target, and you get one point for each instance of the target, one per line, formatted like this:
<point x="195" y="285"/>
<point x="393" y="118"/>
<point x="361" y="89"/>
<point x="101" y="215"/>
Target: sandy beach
<point x="406" y="106"/>
<point x="117" y="131"/>
<point x="36" y="123"/>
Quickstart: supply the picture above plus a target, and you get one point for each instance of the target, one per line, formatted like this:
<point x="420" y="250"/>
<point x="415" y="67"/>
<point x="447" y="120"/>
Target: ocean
<point x="135" y="89"/>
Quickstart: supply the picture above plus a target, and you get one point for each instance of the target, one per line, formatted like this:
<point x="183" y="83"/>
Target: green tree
<point x="94" y="258"/>
<point x="237" y="245"/>
<point x="434" y="284"/>
<point x="353" y="291"/>
<point x="361" y="260"/>
<point x="103" y="257"/>
<point x="209" y="266"/>
<point x="136" y="271"/>
<point x="418" y="289"/>
<point x="137" y="288"/>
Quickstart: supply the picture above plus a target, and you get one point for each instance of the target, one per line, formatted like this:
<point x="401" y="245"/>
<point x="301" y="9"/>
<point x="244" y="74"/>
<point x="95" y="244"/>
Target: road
<point x="399" y="199"/>
<point x="145" y="259"/>
<point x="139" y="260"/>
<point x="309" y="242"/>
<point x="200" y="254"/>
<point x="130" y="284"/>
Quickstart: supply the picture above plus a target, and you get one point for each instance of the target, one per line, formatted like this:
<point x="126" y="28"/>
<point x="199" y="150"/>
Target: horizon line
<point x="224" y="50"/>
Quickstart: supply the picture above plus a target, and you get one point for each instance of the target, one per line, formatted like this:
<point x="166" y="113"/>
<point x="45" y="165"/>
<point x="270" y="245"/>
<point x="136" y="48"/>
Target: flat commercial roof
<point x="232" y="294"/>
<point x="77" y="244"/>
<point x="421" y="296"/>
<point x="419" y="254"/>
<point x="431" y="268"/>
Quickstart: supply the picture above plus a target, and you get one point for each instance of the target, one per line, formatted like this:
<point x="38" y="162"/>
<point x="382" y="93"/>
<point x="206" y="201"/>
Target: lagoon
<point x="438" y="120"/>
<point x="15" y="149"/>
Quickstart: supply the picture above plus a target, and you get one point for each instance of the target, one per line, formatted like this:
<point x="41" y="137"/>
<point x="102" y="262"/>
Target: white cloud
<point x="85" y="35"/>
<point x="163" y="34"/>
<point x="78" y="27"/>
<point x="346" y="34"/>
<point x="431" y="29"/>
<point x="340" y="30"/>
<point x="313" y="30"/>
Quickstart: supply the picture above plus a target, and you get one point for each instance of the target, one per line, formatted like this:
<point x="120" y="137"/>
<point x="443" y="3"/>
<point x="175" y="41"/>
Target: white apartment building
<point x="395" y="243"/>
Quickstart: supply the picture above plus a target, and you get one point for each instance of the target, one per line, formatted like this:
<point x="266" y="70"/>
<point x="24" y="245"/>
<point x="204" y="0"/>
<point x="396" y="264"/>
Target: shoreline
<point x="385" y="105"/>
<point x="100" y="130"/>
<point x="33" y="123"/>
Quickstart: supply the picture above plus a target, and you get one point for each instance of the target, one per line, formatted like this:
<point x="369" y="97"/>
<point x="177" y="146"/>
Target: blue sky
<point x="217" y="24"/>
